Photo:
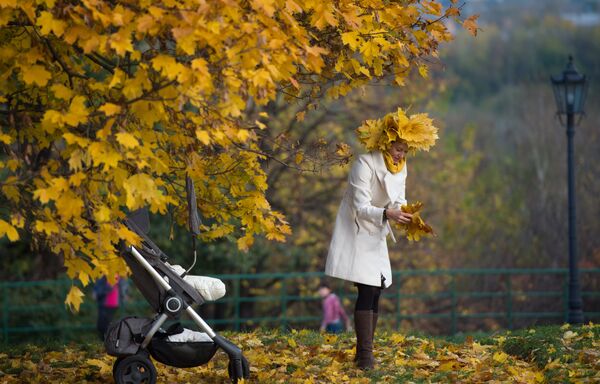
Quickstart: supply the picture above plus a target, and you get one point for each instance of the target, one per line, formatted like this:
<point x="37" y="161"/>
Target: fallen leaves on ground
<point x="310" y="357"/>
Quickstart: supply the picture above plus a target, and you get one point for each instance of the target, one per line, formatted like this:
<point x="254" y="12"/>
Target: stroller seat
<point x="209" y="288"/>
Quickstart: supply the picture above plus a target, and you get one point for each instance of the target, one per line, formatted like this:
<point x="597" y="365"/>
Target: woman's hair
<point x="399" y="140"/>
<point x="324" y="284"/>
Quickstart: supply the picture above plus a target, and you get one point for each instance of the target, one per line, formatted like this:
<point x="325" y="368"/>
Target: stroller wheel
<point x="134" y="369"/>
<point x="239" y="372"/>
<point x="119" y="359"/>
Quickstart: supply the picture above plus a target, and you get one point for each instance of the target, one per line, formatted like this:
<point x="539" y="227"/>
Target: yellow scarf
<point x="391" y="166"/>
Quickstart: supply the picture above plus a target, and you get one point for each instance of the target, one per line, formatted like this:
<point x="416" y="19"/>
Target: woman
<point x="376" y="191"/>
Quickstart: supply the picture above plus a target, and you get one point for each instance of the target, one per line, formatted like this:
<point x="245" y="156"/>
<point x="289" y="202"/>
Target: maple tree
<point x="106" y="106"/>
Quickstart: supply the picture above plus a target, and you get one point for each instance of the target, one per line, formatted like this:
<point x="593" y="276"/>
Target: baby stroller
<point x="170" y="292"/>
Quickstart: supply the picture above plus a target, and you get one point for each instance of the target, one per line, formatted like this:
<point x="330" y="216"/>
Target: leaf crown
<point x="416" y="130"/>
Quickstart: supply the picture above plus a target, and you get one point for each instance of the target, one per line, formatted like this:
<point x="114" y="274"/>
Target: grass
<point x="553" y="354"/>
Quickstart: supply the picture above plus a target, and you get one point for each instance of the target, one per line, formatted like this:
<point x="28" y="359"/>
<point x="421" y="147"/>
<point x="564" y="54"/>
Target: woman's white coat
<point x="358" y="249"/>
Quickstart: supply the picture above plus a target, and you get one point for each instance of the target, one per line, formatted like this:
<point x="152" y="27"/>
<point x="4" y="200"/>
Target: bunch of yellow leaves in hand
<point x="417" y="227"/>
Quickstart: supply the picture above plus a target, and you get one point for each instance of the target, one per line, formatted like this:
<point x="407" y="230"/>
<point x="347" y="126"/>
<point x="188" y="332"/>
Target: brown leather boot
<point x="363" y="324"/>
<point x="375" y="318"/>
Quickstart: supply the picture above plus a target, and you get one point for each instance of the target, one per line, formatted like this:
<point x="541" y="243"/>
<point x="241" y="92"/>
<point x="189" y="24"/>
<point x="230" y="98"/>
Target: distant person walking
<point x="374" y="196"/>
<point x="109" y="298"/>
<point x="333" y="311"/>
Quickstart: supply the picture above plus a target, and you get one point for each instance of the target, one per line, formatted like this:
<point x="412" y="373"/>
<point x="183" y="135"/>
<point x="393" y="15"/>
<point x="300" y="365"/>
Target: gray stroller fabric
<point x="150" y="289"/>
<point x="123" y="338"/>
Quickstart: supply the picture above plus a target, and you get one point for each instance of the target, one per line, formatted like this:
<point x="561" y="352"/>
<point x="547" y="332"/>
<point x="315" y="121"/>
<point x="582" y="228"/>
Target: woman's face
<point x="398" y="151"/>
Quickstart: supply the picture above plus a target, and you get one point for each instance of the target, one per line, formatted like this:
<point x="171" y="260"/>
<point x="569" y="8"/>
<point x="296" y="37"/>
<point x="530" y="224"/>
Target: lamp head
<point x="569" y="90"/>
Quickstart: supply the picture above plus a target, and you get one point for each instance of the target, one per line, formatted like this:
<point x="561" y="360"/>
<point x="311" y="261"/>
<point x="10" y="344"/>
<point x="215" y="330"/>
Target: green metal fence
<point x="439" y="301"/>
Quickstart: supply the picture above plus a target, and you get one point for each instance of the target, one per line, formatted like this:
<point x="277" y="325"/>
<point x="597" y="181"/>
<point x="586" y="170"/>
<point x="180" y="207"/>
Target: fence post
<point x="453" y="299"/>
<point x="398" y="303"/>
<point x="236" y="303"/>
<point x="64" y="315"/>
<point x="283" y="299"/>
<point x="5" y="309"/>
<point x="566" y="298"/>
<point x="509" y="303"/>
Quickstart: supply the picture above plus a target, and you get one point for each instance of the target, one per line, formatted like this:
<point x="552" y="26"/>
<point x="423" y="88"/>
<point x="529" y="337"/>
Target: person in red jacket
<point x="109" y="297"/>
<point x="334" y="316"/>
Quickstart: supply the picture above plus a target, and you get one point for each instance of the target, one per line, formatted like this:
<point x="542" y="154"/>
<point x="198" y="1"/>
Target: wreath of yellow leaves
<point x="416" y="130"/>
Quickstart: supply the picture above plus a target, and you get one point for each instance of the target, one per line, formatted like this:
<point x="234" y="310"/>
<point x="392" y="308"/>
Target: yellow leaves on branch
<point x="470" y="24"/>
<point x="417" y="227"/>
<point x="113" y="103"/>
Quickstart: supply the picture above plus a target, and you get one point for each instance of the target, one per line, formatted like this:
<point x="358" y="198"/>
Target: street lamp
<point x="569" y="91"/>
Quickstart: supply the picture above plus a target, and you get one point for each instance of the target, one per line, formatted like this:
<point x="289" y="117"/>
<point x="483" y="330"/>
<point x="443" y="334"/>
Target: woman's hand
<point x="398" y="216"/>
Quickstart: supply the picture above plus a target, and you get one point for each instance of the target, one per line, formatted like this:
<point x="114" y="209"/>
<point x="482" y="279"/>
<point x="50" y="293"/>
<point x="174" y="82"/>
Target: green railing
<point x="442" y="301"/>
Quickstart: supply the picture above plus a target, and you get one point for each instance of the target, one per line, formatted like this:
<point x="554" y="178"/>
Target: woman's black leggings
<point x="368" y="298"/>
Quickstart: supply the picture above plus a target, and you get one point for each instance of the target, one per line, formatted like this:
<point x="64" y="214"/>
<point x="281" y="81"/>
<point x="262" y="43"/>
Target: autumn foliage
<point x="106" y="106"/>
<point x="560" y="355"/>
<point x="417" y="227"/>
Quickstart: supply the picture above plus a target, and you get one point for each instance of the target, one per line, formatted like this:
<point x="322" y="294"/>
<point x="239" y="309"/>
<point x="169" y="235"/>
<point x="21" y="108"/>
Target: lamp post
<point x="570" y="91"/>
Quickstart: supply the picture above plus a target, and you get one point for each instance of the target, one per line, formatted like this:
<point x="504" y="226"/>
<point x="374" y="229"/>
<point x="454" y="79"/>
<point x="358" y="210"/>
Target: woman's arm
<point x="360" y="185"/>
<point x="395" y="213"/>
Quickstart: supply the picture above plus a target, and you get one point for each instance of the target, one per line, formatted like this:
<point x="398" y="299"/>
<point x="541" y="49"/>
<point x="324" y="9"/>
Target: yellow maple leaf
<point x="323" y="15"/>
<point x="417" y="227"/>
<point x="6" y="139"/>
<point x="500" y="357"/>
<point x="77" y="112"/>
<point x="448" y="366"/>
<point x="47" y="227"/>
<point x="352" y="39"/>
<point x="292" y="342"/>
<point x="48" y="24"/>
<point x="432" y="7"/>
<point x="203" y="136"/>
<point x="167" y="65"/>
<point x="69" y="205"/>
<point x="102" y="214"/>
<point x="471" y="25"/>
<point x="104" y="367"/>
<point x="370" y="50"/>
<point x="243" y="134"/>
<point x="343" y="150"/>
<point x="61" y="91"/>
<point x="110" y="109"/>
<point x="423" y="71"/>
<point x="35" y="74"/>
<point x="74" y="299"/>
<point x="8" y="230"/>
<point x="127" y="140"/>
<point x="244" y="243"/>
<point x="121" y="42"/>
<point x="131" y="238"/>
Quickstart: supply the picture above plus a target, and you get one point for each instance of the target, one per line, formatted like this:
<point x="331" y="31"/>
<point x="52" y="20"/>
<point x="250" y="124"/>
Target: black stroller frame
<point x="170" y="296"/>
